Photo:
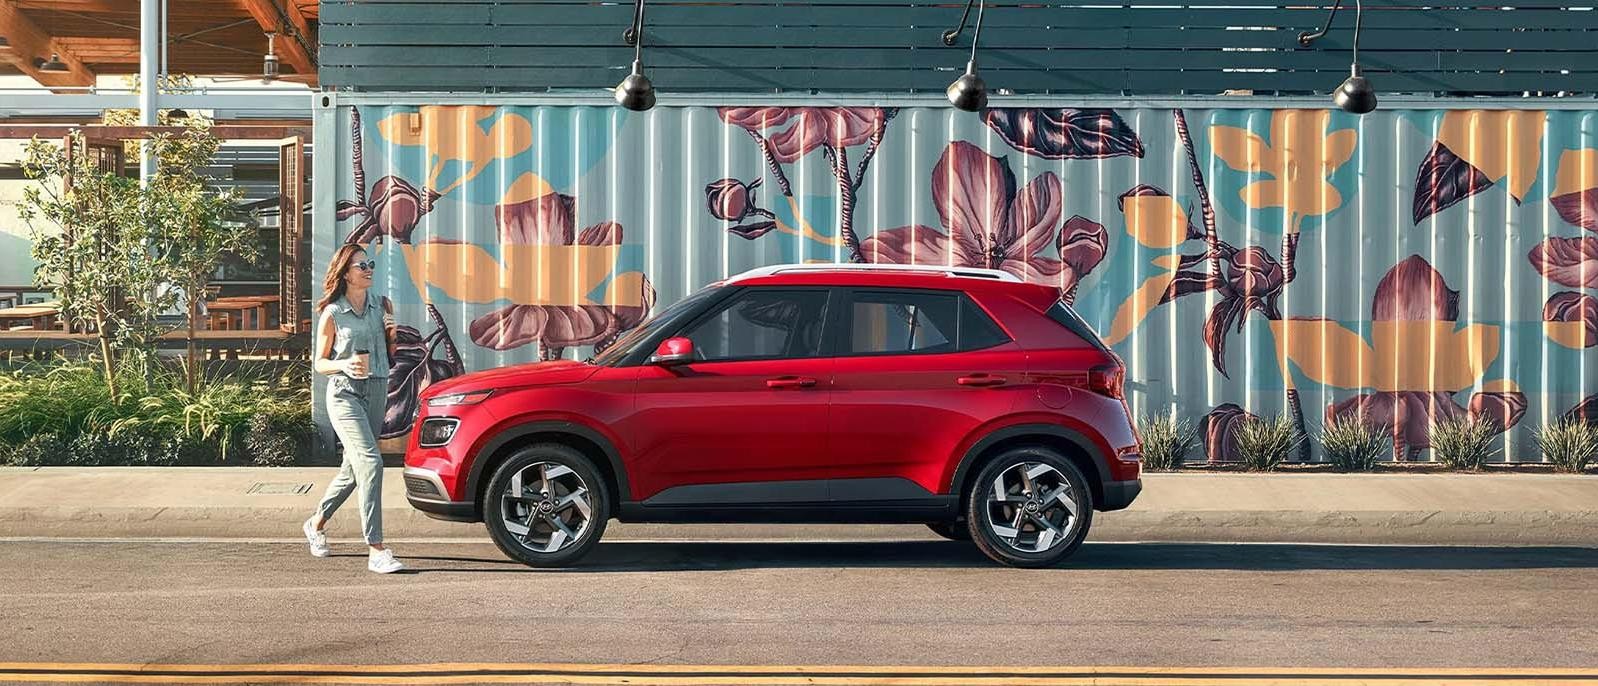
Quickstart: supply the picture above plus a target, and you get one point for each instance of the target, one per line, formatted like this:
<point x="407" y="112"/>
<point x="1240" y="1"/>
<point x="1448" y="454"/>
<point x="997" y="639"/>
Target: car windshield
<point x="625" y="345"/>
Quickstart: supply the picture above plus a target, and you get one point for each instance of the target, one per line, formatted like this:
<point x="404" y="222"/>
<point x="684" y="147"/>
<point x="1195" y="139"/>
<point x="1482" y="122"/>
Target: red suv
<point x="964" y="399"/>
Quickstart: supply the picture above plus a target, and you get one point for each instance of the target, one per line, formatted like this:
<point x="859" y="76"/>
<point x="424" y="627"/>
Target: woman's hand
<point x="353" y="367"/>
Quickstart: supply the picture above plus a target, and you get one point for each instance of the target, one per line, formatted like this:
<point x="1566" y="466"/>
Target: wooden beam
<point x="270" y="14"/>
<point x="74" y="5"/>
<point x="28" y="42"/>
<point x="234" y="133"/>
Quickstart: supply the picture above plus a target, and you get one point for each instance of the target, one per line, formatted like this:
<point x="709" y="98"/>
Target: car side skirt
<point x="811" y="501"/>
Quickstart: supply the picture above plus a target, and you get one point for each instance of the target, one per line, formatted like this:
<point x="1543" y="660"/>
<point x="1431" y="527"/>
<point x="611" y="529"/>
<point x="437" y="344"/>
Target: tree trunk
<point x="108" y="364"/>
<point x="193" y="371"/>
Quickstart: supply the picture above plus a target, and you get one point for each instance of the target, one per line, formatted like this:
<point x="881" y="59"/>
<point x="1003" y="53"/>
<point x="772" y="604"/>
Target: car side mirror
<point x="673" y="351"/>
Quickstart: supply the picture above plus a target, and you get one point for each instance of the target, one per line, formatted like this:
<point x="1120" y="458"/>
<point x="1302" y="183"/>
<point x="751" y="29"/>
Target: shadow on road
<point x="655" y="557"/>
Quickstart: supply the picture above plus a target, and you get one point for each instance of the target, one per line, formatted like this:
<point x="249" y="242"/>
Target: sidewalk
<point x="244" y="502"/>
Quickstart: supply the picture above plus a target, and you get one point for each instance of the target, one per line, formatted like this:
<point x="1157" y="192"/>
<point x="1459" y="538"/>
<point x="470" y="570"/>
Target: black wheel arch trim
<point x="1076" y="438"/>
<point x="516" y="432"/>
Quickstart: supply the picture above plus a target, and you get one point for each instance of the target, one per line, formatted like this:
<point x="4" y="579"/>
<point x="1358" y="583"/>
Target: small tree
<point x="200" y="224"/>
<point x="90" y="236"/>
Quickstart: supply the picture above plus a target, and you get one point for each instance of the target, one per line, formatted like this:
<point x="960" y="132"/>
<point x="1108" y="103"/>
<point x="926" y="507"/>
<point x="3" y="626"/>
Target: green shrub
<point x="38" y="450"/>
<point x="1167" y="439"/>
<point x="1570" y="443"/>
<point x="153" y="420"/>
<point x="1262" y="444"/>
<point x="1354" y="445"/>
<point x="281" y="435"/>
<point x="1463" y="443"/>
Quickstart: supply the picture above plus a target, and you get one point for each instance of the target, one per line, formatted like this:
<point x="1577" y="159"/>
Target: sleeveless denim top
<point x="361" y="330"/>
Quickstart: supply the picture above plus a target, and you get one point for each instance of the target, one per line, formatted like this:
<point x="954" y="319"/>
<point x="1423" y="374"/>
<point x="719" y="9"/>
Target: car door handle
<point x="980" y="380"/>
<point x="790" y="382"/>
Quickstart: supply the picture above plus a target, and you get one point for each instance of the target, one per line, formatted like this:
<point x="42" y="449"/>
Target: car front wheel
<point x="546" y="506"/>
<point x="1030" y="507"/>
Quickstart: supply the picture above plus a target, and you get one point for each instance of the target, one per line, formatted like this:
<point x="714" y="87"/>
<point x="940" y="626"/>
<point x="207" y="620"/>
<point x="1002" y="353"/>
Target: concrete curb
<point x="1446" y="509"/>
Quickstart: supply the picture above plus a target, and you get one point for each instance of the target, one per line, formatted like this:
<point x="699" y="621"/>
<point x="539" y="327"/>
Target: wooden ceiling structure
<point x="204" y="38"/>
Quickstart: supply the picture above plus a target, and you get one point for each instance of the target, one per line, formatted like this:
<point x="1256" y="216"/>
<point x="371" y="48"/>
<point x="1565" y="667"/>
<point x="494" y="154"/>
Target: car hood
<point x="516" y="376"/>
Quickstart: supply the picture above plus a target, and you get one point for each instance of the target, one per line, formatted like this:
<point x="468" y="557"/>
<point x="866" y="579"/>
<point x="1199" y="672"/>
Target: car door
<point x="751" y="408"/>
<point x="918" y="371"/>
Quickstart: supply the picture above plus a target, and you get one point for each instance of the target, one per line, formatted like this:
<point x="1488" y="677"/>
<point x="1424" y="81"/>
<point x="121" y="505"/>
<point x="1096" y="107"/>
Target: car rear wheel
<point x="953" y="530"/>
<point x="546" y="506"/>
<point x="1030" y="507"/>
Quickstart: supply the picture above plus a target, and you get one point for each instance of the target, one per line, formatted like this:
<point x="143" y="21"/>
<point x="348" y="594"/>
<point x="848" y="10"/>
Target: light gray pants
<point x="355" y="408"/>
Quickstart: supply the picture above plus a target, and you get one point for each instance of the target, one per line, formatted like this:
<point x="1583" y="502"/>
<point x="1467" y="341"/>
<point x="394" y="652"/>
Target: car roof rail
<point x="971" y="272"/>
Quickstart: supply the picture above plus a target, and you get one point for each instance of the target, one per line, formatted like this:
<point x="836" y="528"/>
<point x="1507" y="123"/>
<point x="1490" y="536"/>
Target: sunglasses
<point x="368" y="265"/>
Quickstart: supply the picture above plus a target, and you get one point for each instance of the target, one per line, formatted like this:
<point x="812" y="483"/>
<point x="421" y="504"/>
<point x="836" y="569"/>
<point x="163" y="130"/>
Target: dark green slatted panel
<point x="1105" y="47"/>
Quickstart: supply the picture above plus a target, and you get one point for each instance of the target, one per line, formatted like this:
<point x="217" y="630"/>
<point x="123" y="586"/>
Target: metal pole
<point x="149" y="68"/>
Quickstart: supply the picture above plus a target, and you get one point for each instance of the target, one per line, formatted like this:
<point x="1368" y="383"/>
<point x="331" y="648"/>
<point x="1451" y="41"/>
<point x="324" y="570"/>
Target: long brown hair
<point x="333" y="286"/>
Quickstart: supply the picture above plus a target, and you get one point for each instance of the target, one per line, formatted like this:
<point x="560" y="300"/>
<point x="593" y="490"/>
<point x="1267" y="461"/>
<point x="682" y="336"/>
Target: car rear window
<point x="1062" y="314"/>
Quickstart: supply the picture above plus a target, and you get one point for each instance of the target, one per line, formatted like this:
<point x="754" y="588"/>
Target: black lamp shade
<point x="1355" y="94"/>
<point x="54" y="64"/>
<point x="635" y="92"/>
<point x="968" y="92"/>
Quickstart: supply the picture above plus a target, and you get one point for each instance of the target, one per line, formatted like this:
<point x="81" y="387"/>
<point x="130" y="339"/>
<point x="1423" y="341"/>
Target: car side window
<point x="903" y="322"/>
<point x="977" y="329"/>
<point x="762" y="323"/>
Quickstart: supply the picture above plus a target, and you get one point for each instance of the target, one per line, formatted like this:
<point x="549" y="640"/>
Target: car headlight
<point x="453" y="399"/>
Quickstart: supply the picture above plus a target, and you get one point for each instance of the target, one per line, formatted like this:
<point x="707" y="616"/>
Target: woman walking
<point x="354" y="339"/>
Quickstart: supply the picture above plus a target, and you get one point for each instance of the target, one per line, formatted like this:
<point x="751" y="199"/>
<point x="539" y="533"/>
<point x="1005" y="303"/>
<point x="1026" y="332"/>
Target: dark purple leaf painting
<point x="1219" y="431"/>
<point x="415" y="367"/>
<point x="1443" y="180"/>
<point x="1571" y="262"/>
<point x="1579" y="208"/>
<point x="1569" y="307"/>
<point x="1065" y="134"/>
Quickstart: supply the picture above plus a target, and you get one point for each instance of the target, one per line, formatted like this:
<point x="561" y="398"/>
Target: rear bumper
<point x="1119" y="494"/>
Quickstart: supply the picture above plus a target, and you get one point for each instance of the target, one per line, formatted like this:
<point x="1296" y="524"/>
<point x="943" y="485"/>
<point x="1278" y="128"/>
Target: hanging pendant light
<point x="53" y="65"/>
<point x="1355" y="93"/>
<point x="269" y="64"/>
<point x="969" y="92"/>
<point x="635" y="92"/>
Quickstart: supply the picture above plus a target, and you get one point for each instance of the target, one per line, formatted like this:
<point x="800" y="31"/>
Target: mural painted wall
<point x="1407" y="266"/>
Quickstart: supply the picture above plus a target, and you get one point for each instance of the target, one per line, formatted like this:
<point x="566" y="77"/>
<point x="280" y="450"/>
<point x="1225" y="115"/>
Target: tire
<point x="561" y="532"/>
<point x="954" y="531"/>
<point x="1050" y="529"/>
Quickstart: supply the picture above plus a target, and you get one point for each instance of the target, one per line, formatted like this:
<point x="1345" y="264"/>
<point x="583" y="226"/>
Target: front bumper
<point x="425" y="491"/>
<point x="1119" y="494"/>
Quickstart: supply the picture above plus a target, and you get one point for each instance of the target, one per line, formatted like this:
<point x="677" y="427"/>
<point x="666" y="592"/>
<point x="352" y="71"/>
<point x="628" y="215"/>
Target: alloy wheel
<point x="547" y="507"/>
<point x="1032" y="507"/>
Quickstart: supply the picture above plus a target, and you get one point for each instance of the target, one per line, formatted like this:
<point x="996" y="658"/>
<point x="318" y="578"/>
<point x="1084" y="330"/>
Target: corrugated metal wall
<point x="1411" y="264"/>
<point x="1066" y="46"/>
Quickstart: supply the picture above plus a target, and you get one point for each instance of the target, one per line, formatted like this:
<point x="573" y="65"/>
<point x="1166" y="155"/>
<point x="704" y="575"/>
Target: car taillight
<point x="1106" y="380"/>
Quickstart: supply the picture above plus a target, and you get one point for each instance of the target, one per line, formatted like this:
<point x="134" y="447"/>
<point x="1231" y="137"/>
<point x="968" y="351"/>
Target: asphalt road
<point x="794" y="603"/>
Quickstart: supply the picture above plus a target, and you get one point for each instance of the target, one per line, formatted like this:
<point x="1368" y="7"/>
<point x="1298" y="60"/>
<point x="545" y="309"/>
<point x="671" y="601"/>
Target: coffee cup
<point x="365" y="356"/>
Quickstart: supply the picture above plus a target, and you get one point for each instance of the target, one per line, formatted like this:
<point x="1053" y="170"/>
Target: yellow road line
<point x="764" y="675"/>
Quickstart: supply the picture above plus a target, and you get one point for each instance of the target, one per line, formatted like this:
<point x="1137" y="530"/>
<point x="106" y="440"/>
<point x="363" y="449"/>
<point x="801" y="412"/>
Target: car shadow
<point x="732" y="555"/>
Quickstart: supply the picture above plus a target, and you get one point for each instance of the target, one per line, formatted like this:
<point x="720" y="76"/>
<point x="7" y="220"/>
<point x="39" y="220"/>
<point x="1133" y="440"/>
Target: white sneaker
<point x="383" y="562"/>
<point x="317" y="539"/>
